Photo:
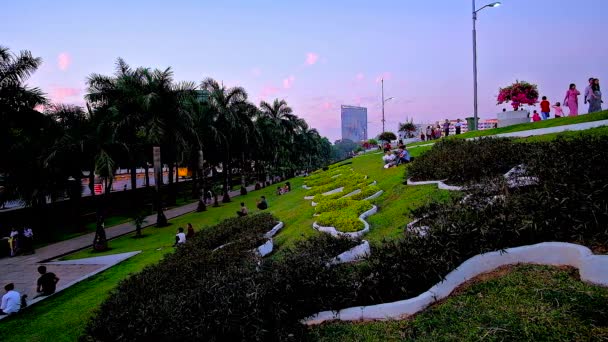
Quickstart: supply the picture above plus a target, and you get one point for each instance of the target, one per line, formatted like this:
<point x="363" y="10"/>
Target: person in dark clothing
<point x="262" y="205"/>
<point x="190" y="233"/>
<point x="47" y="283"/>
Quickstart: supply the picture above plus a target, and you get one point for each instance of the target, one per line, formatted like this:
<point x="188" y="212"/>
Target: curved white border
<point x="353" y="254"/>
<point x="374" y="196"/>
<point x="515" y="178"/>
<point x="268" y="246"/>
<point x="334" y="232"/>
<point x="592" y="269"/>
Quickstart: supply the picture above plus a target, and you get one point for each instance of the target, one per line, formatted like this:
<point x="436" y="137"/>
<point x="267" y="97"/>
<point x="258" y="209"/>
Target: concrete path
<point x="69" y="272"/>
<point x="540" y="131"/>
<point x="22" y="270"/>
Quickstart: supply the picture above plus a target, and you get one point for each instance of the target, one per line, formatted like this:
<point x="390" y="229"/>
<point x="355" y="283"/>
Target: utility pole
<point x="382" y="81"/>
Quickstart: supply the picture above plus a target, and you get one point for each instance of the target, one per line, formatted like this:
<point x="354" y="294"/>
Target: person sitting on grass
<point x="243" y="211"/>
<point x="11" y="301"/>
<point x="180" y="237"/>
<point x="47" y="283"/>
<point x="388" y="157"/>
<point x="190" y="230"/>
<point x="262" y="205"/>
<point x="288" y="186"/>
<point x="279" y="190"/>
<point x="285" y="189"/>
<point x="404" y="156"/>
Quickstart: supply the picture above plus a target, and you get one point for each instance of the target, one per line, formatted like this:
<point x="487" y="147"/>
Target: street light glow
<point x="495" y="4"/>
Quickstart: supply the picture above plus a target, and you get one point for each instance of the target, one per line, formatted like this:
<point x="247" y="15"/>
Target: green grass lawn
<point x="527" y="303"/>
<point x="527" y="126"/>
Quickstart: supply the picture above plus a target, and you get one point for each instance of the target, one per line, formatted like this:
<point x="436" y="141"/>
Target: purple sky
<point x="321" y="54"/>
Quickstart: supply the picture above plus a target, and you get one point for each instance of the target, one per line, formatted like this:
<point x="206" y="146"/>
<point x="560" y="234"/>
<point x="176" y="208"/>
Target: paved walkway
<point x="22" y="270"/>
<point x="540" y="131"/>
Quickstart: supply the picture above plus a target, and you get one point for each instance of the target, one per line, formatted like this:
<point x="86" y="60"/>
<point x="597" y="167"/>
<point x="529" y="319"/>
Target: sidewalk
<point x="22" y="270"/>
<point x="540" y="131"/>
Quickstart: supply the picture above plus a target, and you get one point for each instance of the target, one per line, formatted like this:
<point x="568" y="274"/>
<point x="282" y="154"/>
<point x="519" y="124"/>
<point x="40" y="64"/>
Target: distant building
<point x="354" y="123"/>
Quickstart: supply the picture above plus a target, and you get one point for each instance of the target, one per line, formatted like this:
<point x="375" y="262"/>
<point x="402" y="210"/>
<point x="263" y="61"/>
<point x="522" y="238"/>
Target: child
<point x="544" y="108"/>
<point x="535" y="117"/>
<point x="559" y="112"/>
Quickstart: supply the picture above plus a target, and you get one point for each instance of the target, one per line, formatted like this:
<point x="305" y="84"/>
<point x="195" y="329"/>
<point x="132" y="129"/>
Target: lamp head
<point x="494" y="4"/>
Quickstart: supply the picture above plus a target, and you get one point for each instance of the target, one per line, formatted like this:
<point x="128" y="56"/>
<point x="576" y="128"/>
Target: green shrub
<point x="366" y="192"/>
<point x="343" y="222"/>
<point x="233" y="229"/>
<point x="460" y="161"/>
<point x="195" y="294"/>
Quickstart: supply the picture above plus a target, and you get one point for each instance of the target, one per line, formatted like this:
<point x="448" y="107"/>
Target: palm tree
<point x="225" y="104"/>
<point x="408" y="128"/>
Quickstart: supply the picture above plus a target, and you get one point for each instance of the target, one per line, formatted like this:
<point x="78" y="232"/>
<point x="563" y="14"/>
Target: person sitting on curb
<point x="11" y="301"/>
<point x="47" y="283"/>
<point x="243" y="211"/>
<point x="180" y="237"/>
<point x="262" y="205"/>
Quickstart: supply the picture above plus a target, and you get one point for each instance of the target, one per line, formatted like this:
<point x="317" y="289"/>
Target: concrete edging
<point x="268" y="246"/>
<point x="593" y="269"/>
<point x="334" y="232"/>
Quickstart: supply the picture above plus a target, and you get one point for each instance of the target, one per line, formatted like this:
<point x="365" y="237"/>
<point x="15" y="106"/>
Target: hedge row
<point x="335" y="211"/>
<point x="460" y="161"/>
<point x="195" y="294"/>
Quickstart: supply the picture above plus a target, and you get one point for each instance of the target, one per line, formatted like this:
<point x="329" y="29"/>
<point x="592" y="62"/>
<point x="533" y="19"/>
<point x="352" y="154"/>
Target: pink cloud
<point x="385" y="75"/>
<point x="327" y="106"/>
<point x="311" y="58"/>
<point x="60" y="94"/>
<point x="64" y="60"/>
<point x="360" y="76"/>
<point x="267" y="91"/>
<point x="288" y="82"/>
<point x="256" y="72"/>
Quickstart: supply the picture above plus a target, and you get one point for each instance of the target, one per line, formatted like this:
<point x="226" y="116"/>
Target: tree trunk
<point x="100" y="241"/>
<point x="171" y="198"/>
<point x="200" y="185"/>
<point x="161" y="220"/>
<point x="226" y="197"/>
<point x="147" y="170"/>
<point x="92" y="180"/>
<point x="243" y="175"/>
<point x="135" y="201"/>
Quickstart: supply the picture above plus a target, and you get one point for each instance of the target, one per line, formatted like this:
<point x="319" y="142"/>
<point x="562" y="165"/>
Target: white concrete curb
<point x="351" y="193"/>
<point x="334" y="232"/>
<point x="306" y="187"/>
<point x="268" y="246"/>
<point x="334" y="191"/>
<point x="374" y="196"/>
<point x="353" y="254"/>
<point x="592" y="269"/>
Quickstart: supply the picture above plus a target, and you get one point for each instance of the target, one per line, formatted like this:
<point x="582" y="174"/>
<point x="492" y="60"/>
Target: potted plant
<point x="519" y="93"/>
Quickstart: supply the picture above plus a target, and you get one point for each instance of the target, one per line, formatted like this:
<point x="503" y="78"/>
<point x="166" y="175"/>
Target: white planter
<point x="513" y="118"/>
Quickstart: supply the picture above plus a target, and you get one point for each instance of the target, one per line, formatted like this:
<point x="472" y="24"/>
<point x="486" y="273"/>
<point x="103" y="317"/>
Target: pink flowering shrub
<point x="519" y="93"/>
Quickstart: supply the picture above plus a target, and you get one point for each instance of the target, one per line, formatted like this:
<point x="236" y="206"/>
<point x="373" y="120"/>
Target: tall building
<point x="354" y="123"/>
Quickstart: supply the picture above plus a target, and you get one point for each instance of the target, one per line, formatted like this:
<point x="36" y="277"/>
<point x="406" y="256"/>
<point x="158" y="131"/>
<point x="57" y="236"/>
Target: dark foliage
<point x="198" y="294"/>
<point x="459" y="161"/>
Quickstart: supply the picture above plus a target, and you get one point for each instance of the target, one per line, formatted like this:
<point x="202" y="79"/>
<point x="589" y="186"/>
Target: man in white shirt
<point x="11" y="301"/>
<point x="388" y="157"/>
<point x="180" y="237"/>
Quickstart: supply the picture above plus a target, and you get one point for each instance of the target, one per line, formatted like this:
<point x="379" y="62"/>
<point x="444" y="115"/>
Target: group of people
<point x="13" y="301"/>
<point x="261" y="204"/>
<point x="282" y="190"/>
<point x="592" y="96"/>
<point x="21" y="241"/>
<point x="393" y="159"/>
<point x="181" y="237"/>
<point x="433" y="133"/>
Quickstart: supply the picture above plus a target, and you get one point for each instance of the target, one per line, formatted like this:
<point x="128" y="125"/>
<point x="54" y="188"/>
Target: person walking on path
<point x="446" y="127"/>
<point x="559" y="112"/>
<point x="28" y="235"/>
<point x="595" y="97"/>
<point x="47" y="283"/>
<point x="545" y="108"/>
<point x="457" y="126"/>
<point x="588" y="91"/>
<point x="571" y="100"/>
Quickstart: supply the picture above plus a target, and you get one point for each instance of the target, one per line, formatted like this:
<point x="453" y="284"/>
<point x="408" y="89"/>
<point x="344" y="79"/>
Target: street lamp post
<point x="383" y="102"/>
<point x="494" y="4"/>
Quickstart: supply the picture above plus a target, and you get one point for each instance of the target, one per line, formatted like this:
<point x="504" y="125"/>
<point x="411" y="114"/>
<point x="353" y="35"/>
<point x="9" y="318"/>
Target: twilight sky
<point x="321" y="54"/>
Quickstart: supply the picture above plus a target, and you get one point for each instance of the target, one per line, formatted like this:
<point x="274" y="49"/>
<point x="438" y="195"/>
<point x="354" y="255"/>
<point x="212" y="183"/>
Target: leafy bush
<point x="233" y="229"/>
<point x="366" y="192"/>
<point x="345" y="223"/>
<point x="195" y="294"/>
<point x="459" y="161"/>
